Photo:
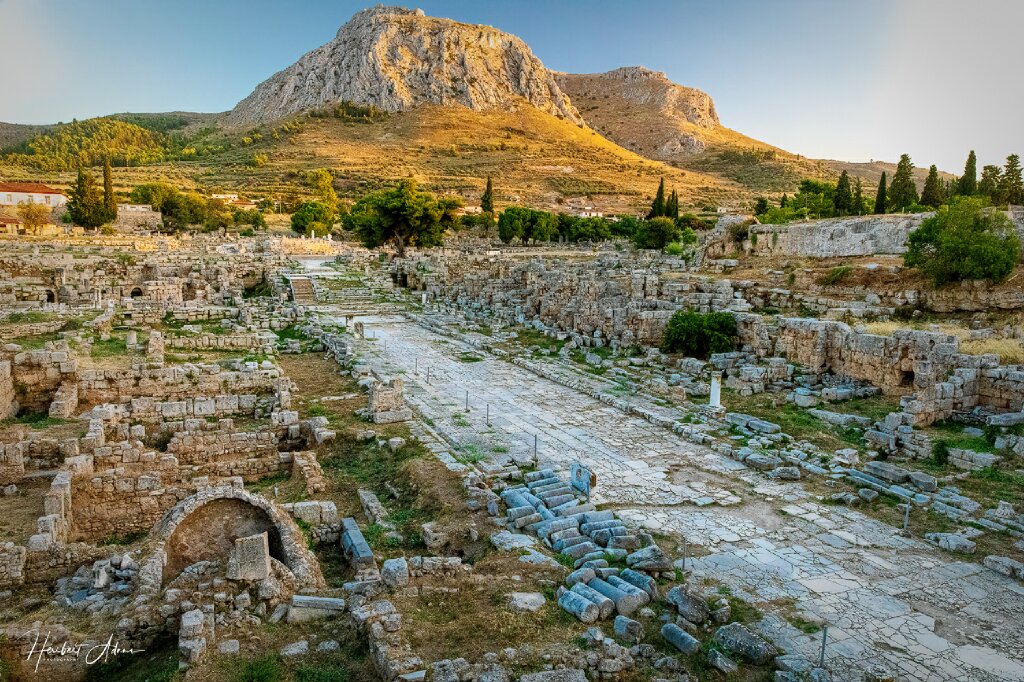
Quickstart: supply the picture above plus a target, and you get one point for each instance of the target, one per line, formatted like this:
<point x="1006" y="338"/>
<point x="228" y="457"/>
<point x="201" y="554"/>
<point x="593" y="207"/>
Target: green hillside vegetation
<point x="88" y="143"/>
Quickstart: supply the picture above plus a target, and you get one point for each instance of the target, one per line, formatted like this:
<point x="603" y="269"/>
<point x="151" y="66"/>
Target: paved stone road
<point x="888" y="600"/>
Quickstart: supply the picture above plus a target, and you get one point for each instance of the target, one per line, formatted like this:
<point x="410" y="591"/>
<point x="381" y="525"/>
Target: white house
<point x="14" y="193"/>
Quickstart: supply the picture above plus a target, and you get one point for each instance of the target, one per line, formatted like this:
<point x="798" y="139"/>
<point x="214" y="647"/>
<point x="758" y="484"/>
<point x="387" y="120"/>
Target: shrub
<point x="739" y="231"/>
<point x="699" y="335"/>
<point x="940" y="452"/>
<point x="964" y="241"/>
<point x="836" y="275"/>
<point x="656" y="233"/>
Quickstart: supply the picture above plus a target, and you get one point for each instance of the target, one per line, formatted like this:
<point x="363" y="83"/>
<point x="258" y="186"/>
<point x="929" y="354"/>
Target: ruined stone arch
<point x="136" y="292"/>
<point x="205" y="526"/>
<point x="51" y="296"/>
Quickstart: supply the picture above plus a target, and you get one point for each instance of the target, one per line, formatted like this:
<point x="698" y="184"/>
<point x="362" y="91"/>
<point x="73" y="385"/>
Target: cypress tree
<point x="85" y="204"/>
<point x="109" y="200"/>
<point x="989" y="184"/>
<point x="1011" y="186"/>
<point x="931" y="195"/>
<point x="902" y="190"/>
<point x="672" y="207"/>
<point x="968" y="184"/>
<point x="487" y="200"/>
<point x="858" y="198"/>
<point x="843" y="199"/>
<point x="658" y="207"/>
<point x="880" y="199"/>
<point x="783" y="201"/>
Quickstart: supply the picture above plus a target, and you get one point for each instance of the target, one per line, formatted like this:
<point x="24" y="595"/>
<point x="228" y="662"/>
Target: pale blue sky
<point x="849" y="80"/>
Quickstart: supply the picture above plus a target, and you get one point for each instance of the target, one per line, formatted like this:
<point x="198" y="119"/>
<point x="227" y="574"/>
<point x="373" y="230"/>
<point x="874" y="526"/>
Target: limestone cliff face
<point x="395" y="59"/>
<point x="643" y="110"/>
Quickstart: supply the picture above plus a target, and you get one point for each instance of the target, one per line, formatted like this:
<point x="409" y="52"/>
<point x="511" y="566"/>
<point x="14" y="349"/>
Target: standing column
<point x="716" y="389"/>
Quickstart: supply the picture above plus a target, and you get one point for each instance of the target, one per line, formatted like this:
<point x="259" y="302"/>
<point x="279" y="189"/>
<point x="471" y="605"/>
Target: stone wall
<point x="836" y="237"/>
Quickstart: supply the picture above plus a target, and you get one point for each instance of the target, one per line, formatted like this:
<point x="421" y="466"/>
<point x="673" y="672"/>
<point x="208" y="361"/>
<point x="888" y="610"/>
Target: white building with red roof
<point x="14" y="193"/>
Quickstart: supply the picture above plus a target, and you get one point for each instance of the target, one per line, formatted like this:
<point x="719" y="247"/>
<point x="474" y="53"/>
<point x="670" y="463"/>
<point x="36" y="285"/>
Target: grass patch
<point x="1010" y="351"/>
<point x="265" y="669"/>
<point x="126" y="539"/>
<point x="36" y="420"/>
<point x="469" y="357"/>
<point x="793" y="420"/>
<point x="109" y="348"/>
<point x="951" y="434"/>
<point x="159" y="664"/>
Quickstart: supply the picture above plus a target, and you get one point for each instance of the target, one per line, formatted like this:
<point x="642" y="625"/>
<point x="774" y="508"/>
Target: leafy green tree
<point x="34" y="216"/>
<point x="656" y="233"/>
<point x="658" y="206"/>
<point x="625" y="226"/>
<point x="932" y="193"/>
<point x="964" y="241"/>
<point x="858" y="199"/>
<point x="251" y="217"/>
<point x="487" y="200"/>
<point x="783" y="201"/>
<point x="760" y="206"/>
<point x="881" y="202"/>
<point x="843" y="200"/>
<point x="967" y="185"/>
<point x="513" y="223"/>
<point x="313" y="218"/>
<point x="1011" y="187"/>
<point x="543" y="226"/>
<point x="404" y="216"/>
<point x="693" y="222"/>
<point x="585" y="229"/>
<point x="85" y="203"/>
<point x="109" y="199"/>
<point x="152" y="193"/>
<point x="322" y="183"/>
<point x="184" y="209"/>
<point x="988" y="186"/>
<point x="699" y="335"/>
<point x="902" y="190"/>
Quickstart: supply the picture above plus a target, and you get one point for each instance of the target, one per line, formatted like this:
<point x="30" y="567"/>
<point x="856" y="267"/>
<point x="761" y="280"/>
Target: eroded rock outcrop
<point x="395" y="59"/>
<point x="676" y="118"/>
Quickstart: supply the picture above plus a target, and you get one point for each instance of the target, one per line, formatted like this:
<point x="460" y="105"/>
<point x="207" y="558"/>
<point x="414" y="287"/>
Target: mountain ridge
<point x="393" y="59"/>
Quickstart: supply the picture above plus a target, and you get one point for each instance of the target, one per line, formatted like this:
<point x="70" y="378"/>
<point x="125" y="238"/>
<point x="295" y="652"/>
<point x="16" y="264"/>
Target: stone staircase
<point x="303" y="292"/>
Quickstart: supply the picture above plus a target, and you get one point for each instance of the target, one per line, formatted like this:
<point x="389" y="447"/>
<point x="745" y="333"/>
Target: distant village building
<point x="15" y="227"/>
<point x="14" y="193"/>
<point x="10" y="225"/>
<point x="234" y="201"/>
<point x="589" y="212"/>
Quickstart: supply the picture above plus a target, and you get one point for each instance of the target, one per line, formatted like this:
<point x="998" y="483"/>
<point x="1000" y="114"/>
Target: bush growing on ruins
<point x="836" y="275"/>
<point x="656" y="233"/>
<point x="698" y="335"/>
<point x="964" y="241"/>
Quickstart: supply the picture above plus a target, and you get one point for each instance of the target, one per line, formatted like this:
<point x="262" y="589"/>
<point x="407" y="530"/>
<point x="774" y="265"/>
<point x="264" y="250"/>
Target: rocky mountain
<point x="643" y="110"/>
<point x="395" y="59"/>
